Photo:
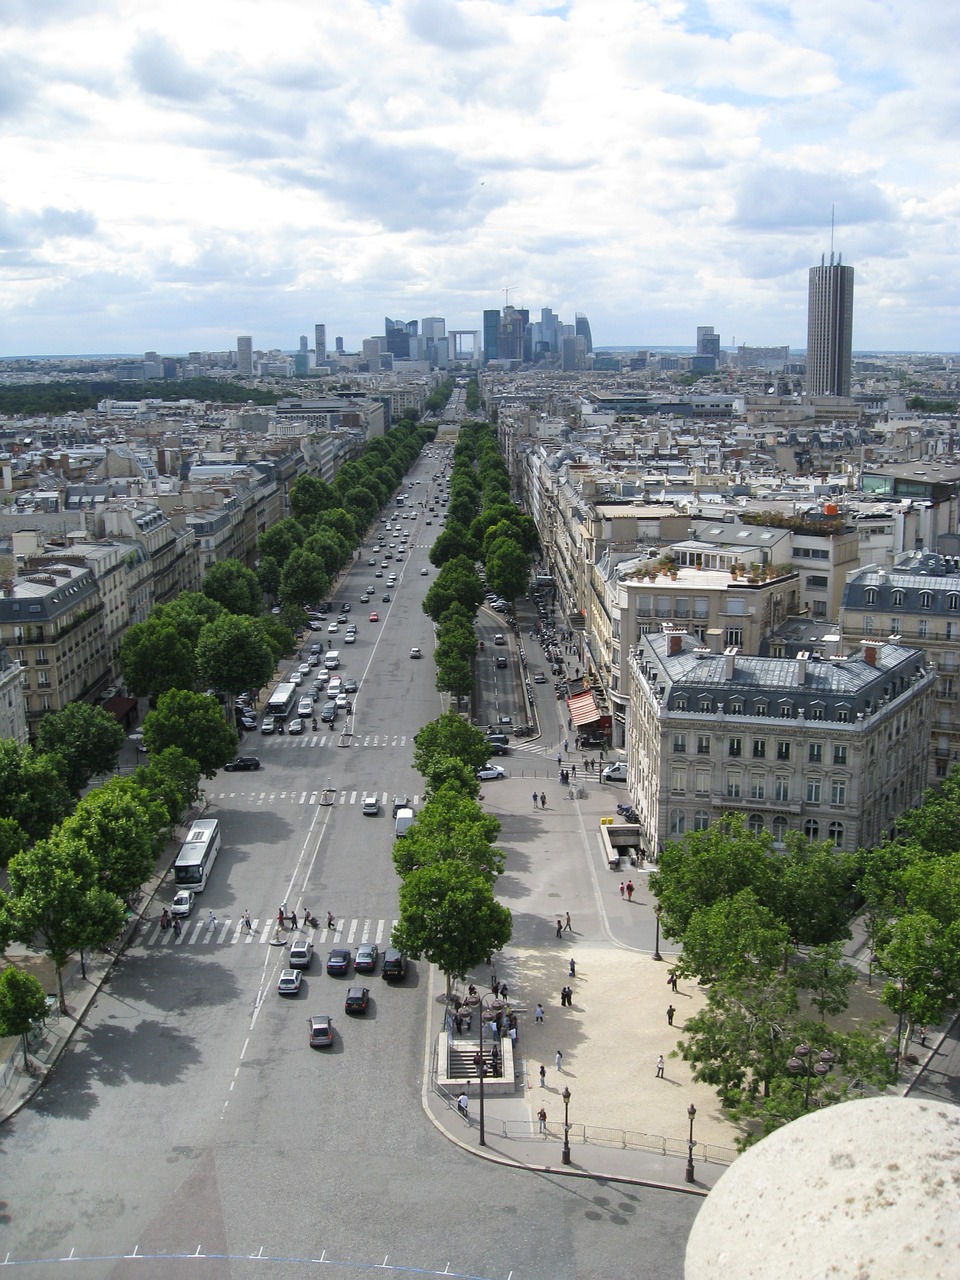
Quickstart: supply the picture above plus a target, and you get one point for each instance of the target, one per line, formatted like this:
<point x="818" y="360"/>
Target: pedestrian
<point x="177" y="926"/>
<point x="566" y="746"/>
<point x="247" y="922"/>
<point x="164" y="921"/>
<point x="281" y="919"/>
<point x="559" y="1060"/>
<point x="538" y="1013"/>
<point x="293" y="919"/>
<point x="559" y="928"/>
<point x="573" y="968"/>
<point x="283" y="912"/>
<point x="630" y="890"/>
<point x="513" y="1033"/>
<point x="495" y="1061"/>
<point x="660" y="1067"/>
<point x="458" y="1023"/>
<point x="670" y="1012"/>
<point x="535" y="799"/>
<point x="573" y="770"/>
<point x="503" y="992"/>
<point x="623" y="888"/>
<point x="923" y="1036"/>
<point x="213" y="921"/>
<point x="569" y="722"/>
<point x="495" y="986"/>
<point x="478" y="1062"/>
<point x="543" y="1077"/>
<point x="543" y="799"/>
<point x="559" y="759"/>
<point x="672" y="980"/>
<point x="568" y="924"/>
<point x="463" y="1105"/>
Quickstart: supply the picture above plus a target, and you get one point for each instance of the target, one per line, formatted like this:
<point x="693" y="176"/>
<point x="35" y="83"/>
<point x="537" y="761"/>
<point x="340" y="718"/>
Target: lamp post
<point x="565" y="1153"/>
<point x="482" y="1071"/>
<point x="691" y="1116"/>
<point x="803" y="1061"/>
<point x="656" y="946"/>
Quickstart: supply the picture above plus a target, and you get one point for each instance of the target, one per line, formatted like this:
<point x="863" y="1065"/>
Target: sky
<point x="177" y="173"/>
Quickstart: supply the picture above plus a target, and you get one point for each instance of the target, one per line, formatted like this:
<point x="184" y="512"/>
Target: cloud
<point x="446" y="24"/>
<point x="774" y="198"/>
<point x="23" y="228"/>
<point x="159" y="69"/>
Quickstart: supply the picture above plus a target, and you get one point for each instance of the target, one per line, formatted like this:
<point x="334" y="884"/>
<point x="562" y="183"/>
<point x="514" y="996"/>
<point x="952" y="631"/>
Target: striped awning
<point x="583" y="708"/>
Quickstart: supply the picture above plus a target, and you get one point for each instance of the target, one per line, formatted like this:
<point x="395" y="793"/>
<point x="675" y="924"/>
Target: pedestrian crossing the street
<point x="201" y="931"/>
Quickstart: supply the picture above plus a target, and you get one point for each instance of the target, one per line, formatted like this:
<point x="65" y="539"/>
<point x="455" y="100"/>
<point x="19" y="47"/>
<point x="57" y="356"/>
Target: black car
<point x="394" y="965"/>
<point x="357" y="999"/>
<point x="338" y="961"/>
<point x="498" y="749"/>
<point x="243" y="764"/>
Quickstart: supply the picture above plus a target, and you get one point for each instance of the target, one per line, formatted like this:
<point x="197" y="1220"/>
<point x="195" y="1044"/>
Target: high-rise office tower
<point x="433" y="328"/>
<point x="303" y="344"/>
<point x="582" y="327"/>
<point x="491" y="328"/>
<point x="339" y="346"/>
<point x="320" y="343"/>
<point x="829" y="328"/>
<point x="245" y="356"/>
<point x="708" y="342"/>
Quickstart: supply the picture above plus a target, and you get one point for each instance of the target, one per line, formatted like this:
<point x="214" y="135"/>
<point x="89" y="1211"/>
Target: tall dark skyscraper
<point x="829" y="329"/>
<point x="582" y="326"/>
<point x="320" y="343"/>
<point x="491" y="326"/>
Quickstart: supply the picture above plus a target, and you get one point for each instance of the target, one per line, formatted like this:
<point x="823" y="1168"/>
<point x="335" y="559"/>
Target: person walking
<point x="503" y="992"/>
<point x="293" y="919"/>
<point x="673" y="981"/>
<point x="177" y="927"/>
<point x="247" y="922"/>
<point x="543" y="1077"/>
<point x="559" y="928"/>
<point x="670" y="1012"/>
<point x="559" y="759"/>
<point x="566" y="746"/>
<point x="572" y="972"/>
<point x="538" y="1013"/>
<point x="573" y="772"/>
<point x="164" y="921"/>
<point x="623" y="888"/>
<point x="463" y="1106"/>
<point x="542" y="1120"/>
<point x="569" y="924"/>
<point x="660" y="1067"/>
<point x="213" y="921"/>
<point x="629" y="890"/>
<point x="559" y="1060"/>
<point x="281" y="919"/>
<point x="535" y="799"/>
<point x="543" y="799"/>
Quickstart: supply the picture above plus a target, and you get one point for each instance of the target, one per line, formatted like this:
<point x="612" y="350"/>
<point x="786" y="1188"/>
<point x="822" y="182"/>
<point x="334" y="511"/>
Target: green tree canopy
<point x="234" y="586"/>
<point x="118" y="824"/>
<point x="189" y="613"/>
<point x="508" y="568"/>
<point x="279" y="637"/>
<point x="155" y="657"/>
<point x="194" y="723"/>
<point x="172" y="779"/>
<point x="85" y="740"/>
<point x="268" y="575"/>
<point x="23" y="1005"/>
<point x="733" y="936"/>
<point x="447" y="769"/>
<point x="303" y="580"/>
<point x="309" y="497"/>
<point x="450" y="917"/>
<point x="233" y="655"/>
<point x="33" y="793"/>
<point x="280" y="540"/>
<point x="341" y="522"/>
<point x="449" y="735"/>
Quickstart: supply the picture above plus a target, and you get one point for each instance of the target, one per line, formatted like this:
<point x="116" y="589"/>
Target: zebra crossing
<point x="312" y="741"/>
<point x="341" y="796"/>
<point x="201" y="931"/>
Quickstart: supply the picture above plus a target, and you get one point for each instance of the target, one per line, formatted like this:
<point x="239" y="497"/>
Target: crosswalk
<point x="311" y="741"/>
<point x="225" y="931"/>
<point x="319" y="795"/>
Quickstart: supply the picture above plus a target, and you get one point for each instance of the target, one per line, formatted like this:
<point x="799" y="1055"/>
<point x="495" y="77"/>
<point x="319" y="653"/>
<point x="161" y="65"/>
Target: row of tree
<point x="51" y="398"/>
<point x="447" y="862"/>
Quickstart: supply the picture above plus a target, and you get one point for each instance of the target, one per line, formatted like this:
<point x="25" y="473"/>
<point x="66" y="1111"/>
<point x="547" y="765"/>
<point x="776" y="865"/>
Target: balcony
<point x="719" y="801"/>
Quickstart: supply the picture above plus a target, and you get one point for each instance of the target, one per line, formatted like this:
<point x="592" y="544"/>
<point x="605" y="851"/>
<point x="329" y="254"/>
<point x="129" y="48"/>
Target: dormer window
<point x="896" y="599"/>
<point x="870" y="596"/>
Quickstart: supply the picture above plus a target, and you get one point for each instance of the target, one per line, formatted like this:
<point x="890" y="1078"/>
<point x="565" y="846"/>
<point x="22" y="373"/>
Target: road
<point x="190" y="1115"/>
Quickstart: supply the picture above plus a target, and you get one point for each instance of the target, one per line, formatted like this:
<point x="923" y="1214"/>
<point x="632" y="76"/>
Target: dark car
<point x="357" y="999"/>
<point x="328" y="712"/>
<point x="499" y="749"/>
<point x="338" y="961"/>
<point x="394" y="965"/>
<point x="368" y="953"/>
<point x="243" y="764"/>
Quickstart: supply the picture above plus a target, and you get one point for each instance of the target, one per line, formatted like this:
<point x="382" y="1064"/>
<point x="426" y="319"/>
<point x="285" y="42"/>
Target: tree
<point x="449" y="735"/>
<point x="922" y="958"/>
<point x="809" y="890"/>
<point x="454" y="541"/>
<point x="195" y="723"/>
<point x="303" y="579"/>
<point x="508" y="568"/>
<point x="733" y="937"/>
<point x="935" y="824"/>
<point x="447" y="769"/>
<point x="233" y="655"/>
<point x="362" y="503"/>
<point x="451" y="826"/>
<point x="280" y="540"/>
<point x="457" y="582"/>
<point x="268" y="575"/>
<point x="118" y="824"/>
<point x="454" y="675"/>
<point x="189" y="613"/>
<point x="155" y="657"/>
<point x="234" y="586"/>
<point x="330" y="548"/>
<point x="824" y="973"/>
<point x="451" y="917"/>
<point x="309" y="497"/>
<point x="86" y="740"/>
<point x="341" y="522"/>
<point x="33" y="793"/>
<point x="172" y="779"/>
<point x="23" y="1004"/>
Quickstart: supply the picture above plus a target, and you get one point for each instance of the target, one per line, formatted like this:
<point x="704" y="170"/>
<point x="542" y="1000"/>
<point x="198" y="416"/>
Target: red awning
<point x="121" y="708"/>
<point x="583" y="709"/>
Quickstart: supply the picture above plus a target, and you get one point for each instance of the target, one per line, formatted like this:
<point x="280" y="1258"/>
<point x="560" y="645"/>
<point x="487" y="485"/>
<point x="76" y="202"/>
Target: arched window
<point x="870" y="596"/>
<point x="836" y="833"/>
<point x="678" y="822"/>
<point x="755" y="824"/>
<point x="953" y="602"/>
<point x="811" y="829"/>
<point x="896" y="599"/>
<point x="926" y="600"/>
<point x="701" y="820"/>
<point x="780" y="825"/>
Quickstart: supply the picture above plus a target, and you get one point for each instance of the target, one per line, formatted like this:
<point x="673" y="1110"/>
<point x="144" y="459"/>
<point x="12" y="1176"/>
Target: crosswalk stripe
<point x="358" y="930"/>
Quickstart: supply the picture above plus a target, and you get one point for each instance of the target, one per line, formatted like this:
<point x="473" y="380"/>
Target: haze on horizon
<point x="179" y="174"/>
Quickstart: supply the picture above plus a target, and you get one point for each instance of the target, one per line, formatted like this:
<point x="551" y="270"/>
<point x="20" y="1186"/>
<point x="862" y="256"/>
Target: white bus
<point x="197" y="855"/>
<point x="282" y="700"/>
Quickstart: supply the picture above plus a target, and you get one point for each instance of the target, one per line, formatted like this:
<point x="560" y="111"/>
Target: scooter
<point x="314" y="724"/>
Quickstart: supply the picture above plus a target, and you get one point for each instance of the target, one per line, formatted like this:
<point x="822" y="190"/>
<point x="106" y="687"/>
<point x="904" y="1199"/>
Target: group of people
<point x="170" y="922"/>
<point x="541" y="799"/>
<point x="627" y="890"/>
<point x="283" y="916"/>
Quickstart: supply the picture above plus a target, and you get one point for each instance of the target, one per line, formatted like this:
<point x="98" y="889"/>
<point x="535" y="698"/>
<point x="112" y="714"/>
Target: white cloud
<point x="196" y="171"/>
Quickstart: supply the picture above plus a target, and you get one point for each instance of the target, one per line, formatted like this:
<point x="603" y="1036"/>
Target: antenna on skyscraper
<point x="832" y="207"/>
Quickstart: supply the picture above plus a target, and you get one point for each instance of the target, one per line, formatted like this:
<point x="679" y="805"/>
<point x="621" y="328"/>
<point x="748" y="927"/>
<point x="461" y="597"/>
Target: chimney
<point x="729" y="661"/>
<point x="674" y="643"/>
<point x="870" y="654"/>
<point x="802" y="657"/>
<point x="831" y="645"/>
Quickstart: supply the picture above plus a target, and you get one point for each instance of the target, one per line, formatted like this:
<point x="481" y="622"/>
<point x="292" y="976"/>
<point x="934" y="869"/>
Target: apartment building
<point x="834" y="749"/>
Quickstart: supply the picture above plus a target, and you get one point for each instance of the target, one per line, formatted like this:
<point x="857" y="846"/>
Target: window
<point x="677" y="822"/>
<point x="811" y="829"/>
<point x="703" y="782"/>
<point x="756" y="786"/>
<point x="781" y="788"/>
<point x="780" y="829"/>
<point x="703" y="744"/>
<point x="815" y="754"/>
<point x="733" y="785"/>
<point x="836" y="833"/>
<point x="701" y="820"/>
<point x="953" y="630"/>
<point x="43" y="679"/>
<point x="678" y="780"/>
<point x="759" y="748"/>
<point x="926" y="600"/>
<point x="896" y="599"/>
<point x="870" y="596"/>
<point x="786" y="710"/>
<point x="922" y="628"/>
<point x="783" y="750"/>
<point x="838" y="791"/>
<point x="735" y="747"/>
<point x="679" y="744"/>
<point x="681" y="704"/>
<point x="839" y="755"/>
<point x="843" y="715"/>
<point x="755" y="824"/>
<point x="761" y="709"/>
<point x="813" y="790"/>
<point x="869" y="625"/>
<point x="736" y="707"/>
<point x="733" y="636"/>
<point x="706" y="705"/>
<point x="953" y="602"/>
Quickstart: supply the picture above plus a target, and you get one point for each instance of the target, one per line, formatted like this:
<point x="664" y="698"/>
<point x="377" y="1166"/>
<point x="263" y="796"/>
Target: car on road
<point x="378" y="574"/>
<point x="243" y="764"/>
<point x="343" y="702"/>
<point x="371" y="805"/>
<point x="289" y="982"/>
<point x="489" y="772"/>
<point x="305" y="705"/>
<point x="296" y="678"/>
<point x="182" y="903"/>
<point x="400" y="802"/>
<point x="499" y="638"/>
<point x="328" y="712"/>
<point x="301" y="953"/>
<point x="415" y="651"/>
<point x="616" y="772"/>
<point x="248" y="720"/>
<point x="356" y="1000"/>
<point x="394" y="965"/>
<point x="269" y="724"/>
<point x="365" y="961"/>
<point x="338" y="961"/>
<point x="372" y="561"/>
<point x="304" y="668"/>
<point x="364" y="599"/>
<point x="295" y="726"/>
<point x="333" y="627"/>
<point x="374" y="616"/>
<point x="321" y="1031"/>
<point x="499" y="748"/>
<point x="424" y="573"/>
<point x="350" y="685"/>
<point x="539" y="678"/>
<point x="350" y="638"/>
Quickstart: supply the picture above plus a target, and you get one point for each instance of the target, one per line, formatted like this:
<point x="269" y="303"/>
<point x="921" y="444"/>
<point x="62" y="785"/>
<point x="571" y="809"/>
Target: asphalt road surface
<point x="191" y="1117"/>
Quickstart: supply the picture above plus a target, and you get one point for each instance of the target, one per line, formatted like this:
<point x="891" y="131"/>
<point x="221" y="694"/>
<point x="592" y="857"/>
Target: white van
<point x="404" y="822"/>
<point x="331" y="659"/>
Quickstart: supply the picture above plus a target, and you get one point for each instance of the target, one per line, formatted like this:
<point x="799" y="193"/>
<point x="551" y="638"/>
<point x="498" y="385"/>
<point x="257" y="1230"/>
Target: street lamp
<point x="804" y="1062"/>
<point x="656" y="946"/>
<point x="482" y="1070"/>
<point x="691" y="1115"/>
<point x="565" y="1153"/>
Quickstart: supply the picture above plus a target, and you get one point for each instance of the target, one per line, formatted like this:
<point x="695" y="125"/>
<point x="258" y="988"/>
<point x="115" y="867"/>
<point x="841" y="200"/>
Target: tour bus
<point x="400" y="499"/>
<point x="197" y="855"/>
<point x="282" y="700"/>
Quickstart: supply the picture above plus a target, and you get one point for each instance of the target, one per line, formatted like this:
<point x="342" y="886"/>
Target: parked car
<point x="489" y="772"/>
<point x="356" y="1000"/>
<point x="289" y="982"/>
<point x="365" y="961"/>
<point x="243" y="764"/>
<point x="321" y="1031"/>
<point x="394" y="965"/>
<point x="338" y="961"/>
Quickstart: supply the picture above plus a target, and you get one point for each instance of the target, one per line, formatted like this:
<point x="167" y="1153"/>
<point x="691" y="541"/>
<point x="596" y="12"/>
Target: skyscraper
<point x="320" y="343"/>
<point x="245" y="356"/>
<point x="491" y="326"/>
<point x="829" y="329"/>
<point x="708" y="342"/>
<point x="582" y="326"/>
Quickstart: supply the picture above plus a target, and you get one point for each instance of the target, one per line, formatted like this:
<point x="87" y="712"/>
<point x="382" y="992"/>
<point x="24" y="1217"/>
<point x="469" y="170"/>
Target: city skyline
<point x="175" y="177"/>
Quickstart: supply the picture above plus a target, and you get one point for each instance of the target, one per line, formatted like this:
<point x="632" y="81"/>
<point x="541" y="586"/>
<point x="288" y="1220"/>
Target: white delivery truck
<point x="331" y="659"/>
<point x="404" y="822"/>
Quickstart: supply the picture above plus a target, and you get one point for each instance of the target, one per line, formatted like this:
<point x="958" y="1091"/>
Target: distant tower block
<point x="320" y="342"/>
<point x="245" y="356"/>
<point x="829" y="329"/>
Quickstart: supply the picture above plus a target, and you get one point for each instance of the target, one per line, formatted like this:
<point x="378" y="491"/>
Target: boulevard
<point x="189" y="1115"/>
